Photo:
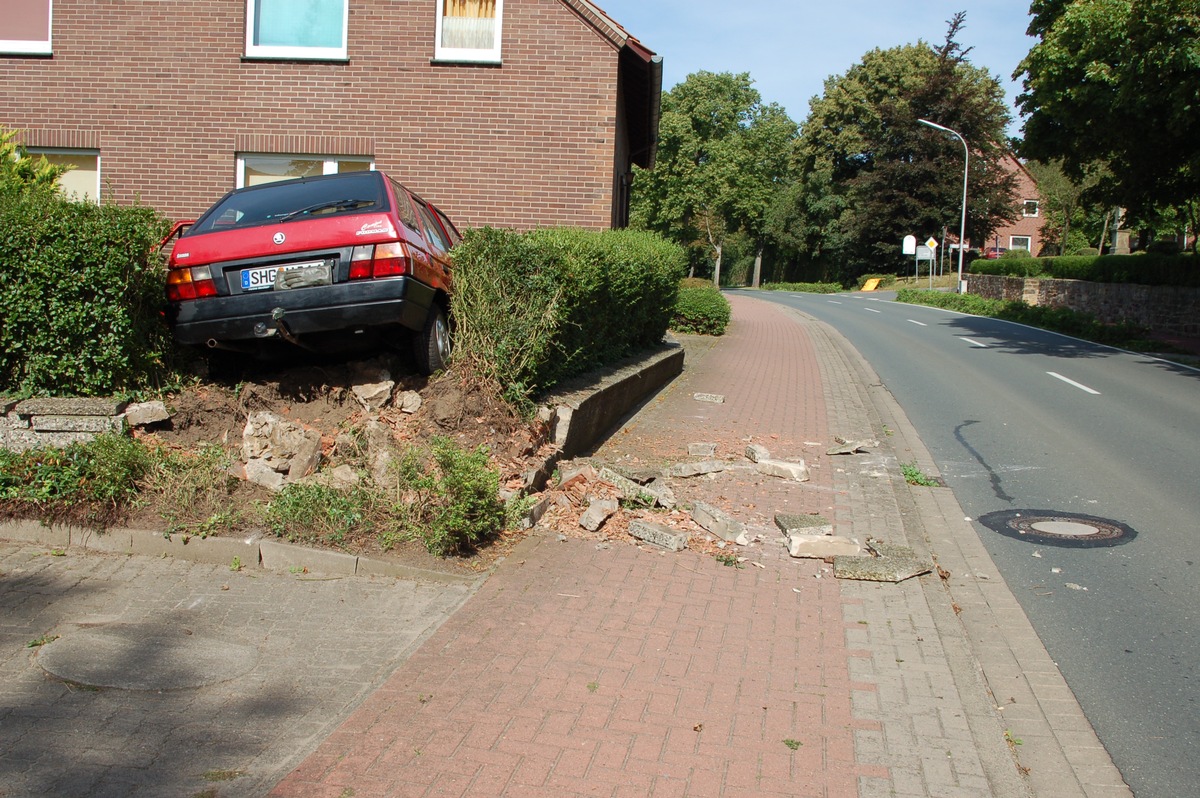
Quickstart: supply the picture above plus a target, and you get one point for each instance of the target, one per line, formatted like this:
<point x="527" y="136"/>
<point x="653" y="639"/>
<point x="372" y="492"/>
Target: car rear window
<point x="355" y="192"/>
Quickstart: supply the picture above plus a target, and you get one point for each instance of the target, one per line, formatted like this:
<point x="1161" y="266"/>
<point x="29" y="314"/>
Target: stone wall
<point x="1165" y="310"/>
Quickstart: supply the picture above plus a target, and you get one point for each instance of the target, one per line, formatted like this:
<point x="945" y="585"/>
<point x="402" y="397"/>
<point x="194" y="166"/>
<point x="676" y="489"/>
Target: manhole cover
<point x="1070" y="530"/>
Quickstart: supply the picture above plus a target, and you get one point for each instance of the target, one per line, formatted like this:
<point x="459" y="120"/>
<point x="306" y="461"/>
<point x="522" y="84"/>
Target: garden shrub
<point x="701" y="309"/>
<point x="531" y="309"/>
<point x="1143" y="269"/>
<point x="806" y="288"/>
<point x="106" y="471"/>
<point x="81" y="294"/>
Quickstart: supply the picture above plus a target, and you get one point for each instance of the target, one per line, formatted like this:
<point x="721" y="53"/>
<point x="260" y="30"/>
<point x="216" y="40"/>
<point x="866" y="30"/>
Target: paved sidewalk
<point x="613" y="670"/>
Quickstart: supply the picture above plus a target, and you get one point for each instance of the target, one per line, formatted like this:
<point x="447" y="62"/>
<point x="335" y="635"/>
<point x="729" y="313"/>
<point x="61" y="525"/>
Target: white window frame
<point x="490" y="55"/>
<point x="1012" y="243"/>
<point x="32" y="46"/>
<point x="329" y="162"/>
<point x="295" y="53"/>
<point x="1025" y="208"/>
<point x="36" y="152"/>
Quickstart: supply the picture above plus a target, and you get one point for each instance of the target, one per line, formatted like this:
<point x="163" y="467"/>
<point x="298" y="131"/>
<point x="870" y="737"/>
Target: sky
<point x="790" y="47"/>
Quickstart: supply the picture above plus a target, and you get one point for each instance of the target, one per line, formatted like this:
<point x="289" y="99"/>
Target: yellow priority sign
<point x="931" y="243"/>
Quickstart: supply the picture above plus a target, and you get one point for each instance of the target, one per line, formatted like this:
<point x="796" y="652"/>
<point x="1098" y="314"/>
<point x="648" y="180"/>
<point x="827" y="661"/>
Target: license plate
<point x="263" y="277"/>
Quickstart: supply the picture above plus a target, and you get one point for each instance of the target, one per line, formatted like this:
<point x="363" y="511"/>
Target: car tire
<point x="432" y="345"/>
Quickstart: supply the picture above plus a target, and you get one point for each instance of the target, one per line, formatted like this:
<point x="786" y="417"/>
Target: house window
<point x="1020" y="242"/>
<point x="81" y="181"/>
<point x="312" y="29"/>
<point x="468" y="30"/>
<point x="25" y="27"/>
<point x="253" y="169"/>
<point x="1031" y="208"/>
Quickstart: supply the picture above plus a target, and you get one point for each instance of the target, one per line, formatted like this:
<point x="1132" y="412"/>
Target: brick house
<point x="514" y="113"/>
<point x="1026" y="231"/>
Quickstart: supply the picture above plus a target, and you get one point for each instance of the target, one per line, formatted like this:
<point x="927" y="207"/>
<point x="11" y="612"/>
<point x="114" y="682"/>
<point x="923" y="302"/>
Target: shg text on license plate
<point x="264" y="276"/>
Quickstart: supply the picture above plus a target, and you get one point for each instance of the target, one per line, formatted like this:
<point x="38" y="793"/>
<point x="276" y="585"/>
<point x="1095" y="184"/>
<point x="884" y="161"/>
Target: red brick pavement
<point x="580" y="669"/>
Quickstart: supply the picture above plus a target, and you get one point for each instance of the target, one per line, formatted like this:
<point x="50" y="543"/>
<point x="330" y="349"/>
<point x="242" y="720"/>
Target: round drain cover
<point x="1048" y="528"/>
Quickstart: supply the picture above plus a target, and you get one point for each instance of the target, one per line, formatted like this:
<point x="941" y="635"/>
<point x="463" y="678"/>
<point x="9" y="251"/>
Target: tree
<point x="1114" y="81"/>
<point x="862" y="142"/>
<point x="19" y="172"/>
<point x="722" y="156"/>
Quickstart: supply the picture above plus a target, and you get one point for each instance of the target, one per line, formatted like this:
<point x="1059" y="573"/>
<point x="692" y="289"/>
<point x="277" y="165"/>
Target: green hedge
<point x="81" y="294"/>
<point x="1142" y="269"/>
<point x="807" y="288"/>
<point x="531" y="309"/>
<point x="702" y="309"/>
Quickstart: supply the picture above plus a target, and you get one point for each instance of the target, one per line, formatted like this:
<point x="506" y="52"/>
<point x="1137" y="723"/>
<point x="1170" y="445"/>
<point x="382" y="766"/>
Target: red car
<point x="325" y="263"/>
<point x="992" y="253"/>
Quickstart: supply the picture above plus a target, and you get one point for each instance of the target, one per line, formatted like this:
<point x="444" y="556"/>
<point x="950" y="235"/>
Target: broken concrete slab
<point x="790" y="523"/>
<point x="717" y="521"/>
<point x="658" y="535"/>
<point x="851" y="447"/>
<point x="598" y="511"/>
<point x="894" y="563"/>
<point x="714" y="398"/>
<point x="754" y="453"/>
<point x="91" y="406"/>
<point x="821" y="547"/>
<point x="93" y="424"/>
<point x="632" y="491"/>
<point x="374" y="395"/>
<point x="409" y="401"/>
<point x="701" y="468"/>
<point x="143" y="414"/>
<point x="797" y="472"/>
<point x="702" y="449"/>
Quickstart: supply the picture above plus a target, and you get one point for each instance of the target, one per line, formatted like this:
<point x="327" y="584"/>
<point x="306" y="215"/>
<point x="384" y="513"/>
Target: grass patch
<point x="915" y="476"/>
<point x="1061" y="320"/>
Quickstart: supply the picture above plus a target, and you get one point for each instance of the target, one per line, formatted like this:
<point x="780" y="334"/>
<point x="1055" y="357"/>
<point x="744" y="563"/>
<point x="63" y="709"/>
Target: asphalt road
<point x="1019" y="419"/>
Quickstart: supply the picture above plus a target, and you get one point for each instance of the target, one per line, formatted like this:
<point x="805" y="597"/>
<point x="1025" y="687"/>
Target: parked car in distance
<point x="328" y="263"/>
<point x="992" y="253"/>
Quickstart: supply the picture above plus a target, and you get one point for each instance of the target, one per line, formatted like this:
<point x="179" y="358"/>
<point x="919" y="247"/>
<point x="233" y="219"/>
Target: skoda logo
<point x="279" y="238"/>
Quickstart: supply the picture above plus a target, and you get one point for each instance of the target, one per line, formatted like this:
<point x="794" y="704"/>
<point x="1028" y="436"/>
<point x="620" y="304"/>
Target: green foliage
<point x="1113" y="82"/>
<point x="701" y="309"/>
<point x="913" y="475"/>
<point x="1141" y="269"/>
<point x="1060" y="320"/>
<point x="807" y="288"/>
<point x="106" y="470"/>
<point x="316" y="513"/>
<point x="81" y="295"/>
<point x="450" y="501"/>
<point x="1016" y="254"/>
<point x="534" y="308"/>
<point x="19" y="172"/>
<point x="871" y="173"/>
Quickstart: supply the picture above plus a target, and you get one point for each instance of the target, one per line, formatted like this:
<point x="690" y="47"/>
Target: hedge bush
<point x="701" y="309"/>
<point x="81" y="294"/>
<point x="807" y="288"/>
<point x="531" y="309"/>
<point x="1142" y="269"/>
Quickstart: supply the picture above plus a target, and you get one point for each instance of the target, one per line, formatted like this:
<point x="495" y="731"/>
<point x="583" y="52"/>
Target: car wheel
<point x="432" y="344"/>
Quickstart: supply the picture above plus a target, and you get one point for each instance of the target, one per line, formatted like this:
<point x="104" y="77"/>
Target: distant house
<point x="515" y="113"/>
<point x="1026" y="232"/>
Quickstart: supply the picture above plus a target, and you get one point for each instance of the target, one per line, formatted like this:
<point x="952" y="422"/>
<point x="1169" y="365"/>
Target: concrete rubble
<point x="889" y="563"/>
<point x="851" y="447"/>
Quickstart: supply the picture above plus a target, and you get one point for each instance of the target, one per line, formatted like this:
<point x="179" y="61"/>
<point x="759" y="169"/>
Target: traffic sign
<point x="931" y="243"/>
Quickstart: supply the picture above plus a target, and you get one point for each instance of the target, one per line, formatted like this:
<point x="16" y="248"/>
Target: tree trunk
<point x="717" y="269"/>
<point x="754" y="282"/>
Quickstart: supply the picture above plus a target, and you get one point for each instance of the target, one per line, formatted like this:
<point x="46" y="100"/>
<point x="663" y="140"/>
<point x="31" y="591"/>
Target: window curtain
<point x="469" y="24"/>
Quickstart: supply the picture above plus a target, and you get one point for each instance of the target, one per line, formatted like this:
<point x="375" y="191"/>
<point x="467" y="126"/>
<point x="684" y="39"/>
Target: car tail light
<point x="193" y="283"/>
<point x="379" y="260"/>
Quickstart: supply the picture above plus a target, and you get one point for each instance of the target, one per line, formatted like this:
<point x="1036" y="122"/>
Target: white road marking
<point x="1080" y="386"/>
<point x="872" y="310"/>
<point x="830" y="301"/>
<point x="973" y="342"/>
<point x="918" y="323"/>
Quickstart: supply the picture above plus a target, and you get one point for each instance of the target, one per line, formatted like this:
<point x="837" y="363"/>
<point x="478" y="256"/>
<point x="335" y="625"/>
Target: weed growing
<point x="913" y="475"/>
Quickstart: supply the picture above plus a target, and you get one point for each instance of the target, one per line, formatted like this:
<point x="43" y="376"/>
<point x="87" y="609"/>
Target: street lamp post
<point x="962" y="230"/>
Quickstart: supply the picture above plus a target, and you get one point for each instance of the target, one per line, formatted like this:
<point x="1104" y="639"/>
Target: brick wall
<point x="1166" y="310"/>
<point x="163" y="91"/>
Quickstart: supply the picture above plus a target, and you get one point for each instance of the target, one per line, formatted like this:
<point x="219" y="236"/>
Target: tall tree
<point x="722" y="156"/>
<point x="896" y="176"/>
<point x="1114" y="81"/>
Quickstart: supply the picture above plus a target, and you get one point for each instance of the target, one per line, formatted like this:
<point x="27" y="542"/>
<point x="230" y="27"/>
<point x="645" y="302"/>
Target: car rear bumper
<point x="305" y="311"/>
